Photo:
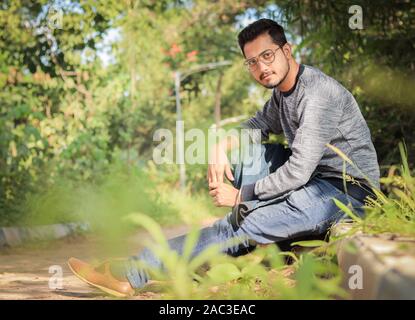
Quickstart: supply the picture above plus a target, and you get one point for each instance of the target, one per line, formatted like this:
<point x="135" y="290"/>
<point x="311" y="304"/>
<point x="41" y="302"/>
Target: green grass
<point x="121" y="191"/>
<point x="394" y="210"/>
<point x="262" y="274"/>
<point x="129" y="198"/>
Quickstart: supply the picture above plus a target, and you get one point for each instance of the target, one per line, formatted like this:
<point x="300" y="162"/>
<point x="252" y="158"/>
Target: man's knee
<point x="274" y="223"/>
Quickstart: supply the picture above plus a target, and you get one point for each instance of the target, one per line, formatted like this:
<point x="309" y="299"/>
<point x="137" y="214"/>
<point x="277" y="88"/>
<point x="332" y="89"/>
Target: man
<point x="285" y="193"/>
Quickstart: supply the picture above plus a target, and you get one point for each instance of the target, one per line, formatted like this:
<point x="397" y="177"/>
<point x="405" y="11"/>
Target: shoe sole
<point x="105" y="289"/>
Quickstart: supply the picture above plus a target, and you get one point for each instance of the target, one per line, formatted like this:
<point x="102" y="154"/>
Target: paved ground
<point x="24" y="271"/>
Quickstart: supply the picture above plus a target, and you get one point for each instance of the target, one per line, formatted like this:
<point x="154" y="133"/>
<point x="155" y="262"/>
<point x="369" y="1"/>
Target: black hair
<point x="259" y="27"/>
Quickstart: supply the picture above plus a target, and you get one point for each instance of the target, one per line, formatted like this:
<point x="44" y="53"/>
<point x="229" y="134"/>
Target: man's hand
<point x="224" y="195"/>
<point x="218" y="165"/>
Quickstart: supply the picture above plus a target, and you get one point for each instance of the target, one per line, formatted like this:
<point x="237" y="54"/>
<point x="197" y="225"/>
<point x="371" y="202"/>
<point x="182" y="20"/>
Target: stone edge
<point x="14" y="236"/>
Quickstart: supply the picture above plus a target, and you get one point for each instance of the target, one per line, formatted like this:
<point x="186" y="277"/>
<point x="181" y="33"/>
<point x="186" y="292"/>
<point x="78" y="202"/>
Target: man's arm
<point x="266" y="120"/>
<point x="223" y="194"/>
<point x="218" y="160"/>
<point x="319" y="118"/>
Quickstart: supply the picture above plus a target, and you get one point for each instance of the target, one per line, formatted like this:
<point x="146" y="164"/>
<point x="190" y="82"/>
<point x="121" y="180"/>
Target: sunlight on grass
<point x="393" y="212"/>
<point x="214" y="275"/>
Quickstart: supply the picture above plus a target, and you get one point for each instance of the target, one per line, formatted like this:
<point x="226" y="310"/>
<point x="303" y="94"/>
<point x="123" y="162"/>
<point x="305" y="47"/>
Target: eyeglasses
<point x="267" y="57"/>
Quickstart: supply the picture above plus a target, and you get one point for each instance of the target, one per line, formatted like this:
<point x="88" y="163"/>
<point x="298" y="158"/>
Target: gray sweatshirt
<point x="316" y="111"/>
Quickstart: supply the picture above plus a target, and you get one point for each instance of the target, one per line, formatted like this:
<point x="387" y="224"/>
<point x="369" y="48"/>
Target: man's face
<point x="272" y="74"/>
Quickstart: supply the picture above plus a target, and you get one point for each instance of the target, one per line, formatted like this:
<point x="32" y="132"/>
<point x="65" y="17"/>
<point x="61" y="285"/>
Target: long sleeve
<point x="266" y="120"/>
<point x="319" y="116"/>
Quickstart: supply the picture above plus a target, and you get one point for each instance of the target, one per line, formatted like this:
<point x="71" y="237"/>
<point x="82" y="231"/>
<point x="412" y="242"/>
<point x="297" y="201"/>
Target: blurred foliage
<point x="64" y="114"/>
<point x="79" y="97"/>
<point x="375" y="63"/>
<point x="394" y="212"/>
<point x="263" y="274"/>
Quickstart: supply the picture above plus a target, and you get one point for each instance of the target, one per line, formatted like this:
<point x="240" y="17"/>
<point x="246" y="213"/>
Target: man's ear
<point x="287" y="50"/>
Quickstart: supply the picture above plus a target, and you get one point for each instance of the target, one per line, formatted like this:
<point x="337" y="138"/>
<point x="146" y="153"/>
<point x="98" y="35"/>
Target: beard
<point x="277" y="82"/>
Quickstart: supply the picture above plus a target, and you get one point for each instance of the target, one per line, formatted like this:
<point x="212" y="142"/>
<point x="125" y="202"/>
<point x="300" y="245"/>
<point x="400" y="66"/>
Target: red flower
<point x="175" y="49"/>
<point x="192" y="55"/>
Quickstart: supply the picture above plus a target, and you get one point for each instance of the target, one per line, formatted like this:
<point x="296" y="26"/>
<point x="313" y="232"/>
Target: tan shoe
<point x="101" y="278"/>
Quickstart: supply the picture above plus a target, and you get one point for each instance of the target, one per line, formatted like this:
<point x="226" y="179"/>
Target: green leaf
<point x="289" y="254"/>
<point x="150" y="225"/>
<point x="190" y="243"/>
<point x="206" y="255"/>
<point x="309" y="243"/>
<point x="224" y="272"/>
<point x="346" y="210"/>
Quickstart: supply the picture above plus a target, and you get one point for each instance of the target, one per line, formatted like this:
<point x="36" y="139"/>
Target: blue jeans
<point x="307" y="211"/>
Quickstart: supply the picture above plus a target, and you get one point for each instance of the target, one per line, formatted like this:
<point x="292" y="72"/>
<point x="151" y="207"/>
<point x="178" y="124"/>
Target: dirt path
<point x="24" y="271"/>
